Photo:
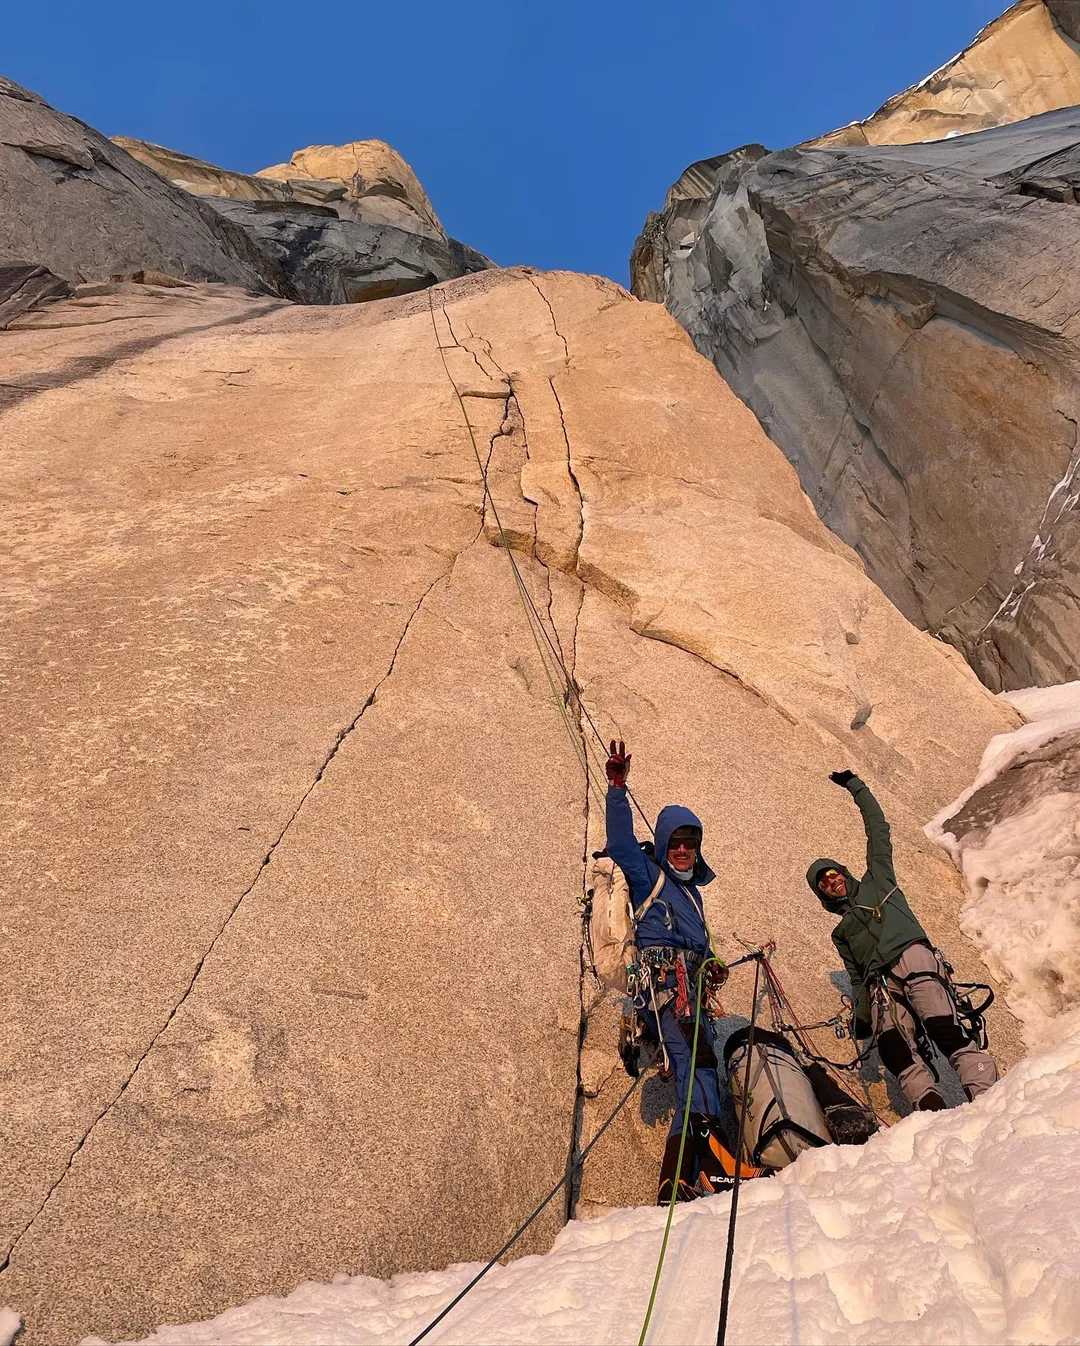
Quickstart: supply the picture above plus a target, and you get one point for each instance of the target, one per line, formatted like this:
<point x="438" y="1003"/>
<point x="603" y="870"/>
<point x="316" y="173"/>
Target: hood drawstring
<point x="878" y="909"/>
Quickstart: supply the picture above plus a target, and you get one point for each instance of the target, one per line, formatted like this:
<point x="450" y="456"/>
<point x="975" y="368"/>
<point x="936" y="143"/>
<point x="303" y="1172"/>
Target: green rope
<point x="532" y="617"/>
<point x="682" y="1148"/>
<point x="537" y="629"/>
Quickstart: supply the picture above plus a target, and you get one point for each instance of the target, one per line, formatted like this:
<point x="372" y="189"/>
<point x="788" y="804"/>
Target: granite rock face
<point x="378" y="184"/>
<point x="1024" y="63"/>
<point x="329" y="260"/>
<point x="368" y="182"/>
<point x="1066" y="15"/>
<point x="292" y="973"/>
<point x="201" y="178"/>
<point x="336" y="240"/>
<point x="78" y="205"/>
<point x="23" y="287"/>
<point x="903" y="319"/>
<point x="83" y="208"/>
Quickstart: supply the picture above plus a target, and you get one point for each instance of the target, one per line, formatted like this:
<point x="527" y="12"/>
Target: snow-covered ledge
<point x="1015" y="836"/>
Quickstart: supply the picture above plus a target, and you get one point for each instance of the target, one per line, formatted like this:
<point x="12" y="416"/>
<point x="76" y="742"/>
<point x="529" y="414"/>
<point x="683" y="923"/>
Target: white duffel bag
<point x="783" y="1115"/>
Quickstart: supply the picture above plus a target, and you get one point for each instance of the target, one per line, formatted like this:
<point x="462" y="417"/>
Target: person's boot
<point x="668" y="1168"/>
<point x="931" y="1101"/>
<point x="716" y="1163"/>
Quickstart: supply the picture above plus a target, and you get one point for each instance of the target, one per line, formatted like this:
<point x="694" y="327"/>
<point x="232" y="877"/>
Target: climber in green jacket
<point x="898" y="978"/>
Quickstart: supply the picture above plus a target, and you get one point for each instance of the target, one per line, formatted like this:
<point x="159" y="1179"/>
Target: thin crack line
<point x="342" y="735"/>
<point x="571" y="474"/>
<point x="576" y="1175"/>
<point x="555" y="325"/>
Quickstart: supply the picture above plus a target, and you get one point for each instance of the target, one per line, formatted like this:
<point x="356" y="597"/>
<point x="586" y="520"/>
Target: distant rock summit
<point x="1020" y="65"/>
<point x="897" y="303"/>
<point x="342" y="223"/>
<point x="335" y="225"/>
<point x="366" y="180"/>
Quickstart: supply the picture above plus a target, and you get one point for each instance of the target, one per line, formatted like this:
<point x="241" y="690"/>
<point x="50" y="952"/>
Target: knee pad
<point x="894" y="1051"/>
<point x="946" y="1034"/>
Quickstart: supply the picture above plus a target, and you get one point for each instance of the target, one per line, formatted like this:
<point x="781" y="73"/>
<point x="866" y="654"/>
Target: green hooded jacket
<point x="876" y="924"/>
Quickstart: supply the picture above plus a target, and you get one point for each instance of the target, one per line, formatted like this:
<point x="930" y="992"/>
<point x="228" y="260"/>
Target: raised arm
<point x="622" y="845"/>
<point x="879" y="856"/>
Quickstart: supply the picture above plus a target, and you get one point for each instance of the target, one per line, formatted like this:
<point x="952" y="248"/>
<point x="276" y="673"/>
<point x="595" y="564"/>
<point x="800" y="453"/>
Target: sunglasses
<point x="683" y="843"/>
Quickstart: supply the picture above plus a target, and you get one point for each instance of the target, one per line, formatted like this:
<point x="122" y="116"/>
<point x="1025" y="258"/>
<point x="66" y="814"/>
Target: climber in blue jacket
<point x="673" y="943"/>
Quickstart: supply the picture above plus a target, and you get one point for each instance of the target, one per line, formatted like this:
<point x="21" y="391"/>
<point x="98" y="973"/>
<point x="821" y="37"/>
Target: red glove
<point x="618" y="764"/>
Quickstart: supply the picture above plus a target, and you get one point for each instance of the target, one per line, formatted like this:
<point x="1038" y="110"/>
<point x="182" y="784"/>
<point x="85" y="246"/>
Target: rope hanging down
<point x="729" y="1256"/>
<point x="570" y="695"/>
<point x="756" y="956"/>
<point x="679" y="1163"/>
<point x="571" y="1168"/>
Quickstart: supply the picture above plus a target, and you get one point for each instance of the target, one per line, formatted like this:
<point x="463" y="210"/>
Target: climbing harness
<point x="970" y="1016"/>
<point x="571" y="1168"/>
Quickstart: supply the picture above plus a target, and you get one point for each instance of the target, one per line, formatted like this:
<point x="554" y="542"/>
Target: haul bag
<point x="783" y="1115"/>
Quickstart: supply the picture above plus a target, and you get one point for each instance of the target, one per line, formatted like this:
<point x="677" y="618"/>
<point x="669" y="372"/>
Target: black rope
<point x="542" y="1206"/>
<point x="729" y="1257"/>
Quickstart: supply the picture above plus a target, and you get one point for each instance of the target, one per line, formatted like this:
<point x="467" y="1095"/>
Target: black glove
<point x="618" y="764"/>
<point x="842" y="778"/>
<point x="862" y="1029"/>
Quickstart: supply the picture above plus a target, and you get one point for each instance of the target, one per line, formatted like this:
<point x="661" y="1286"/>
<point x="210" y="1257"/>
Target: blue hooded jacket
<point x="676" y="918"/>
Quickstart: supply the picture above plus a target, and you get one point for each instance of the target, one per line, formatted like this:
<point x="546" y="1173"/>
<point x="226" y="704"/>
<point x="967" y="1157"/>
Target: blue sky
<point x="542" y="132"/>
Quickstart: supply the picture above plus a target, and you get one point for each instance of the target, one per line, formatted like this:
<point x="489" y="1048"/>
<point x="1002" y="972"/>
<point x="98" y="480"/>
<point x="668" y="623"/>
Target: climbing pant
<point x="916" y="985"/>
<point x="678" y="1037"/>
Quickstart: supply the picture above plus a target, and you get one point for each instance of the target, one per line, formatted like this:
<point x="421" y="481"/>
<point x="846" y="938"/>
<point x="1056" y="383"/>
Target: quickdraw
<point x="652" y="967"/>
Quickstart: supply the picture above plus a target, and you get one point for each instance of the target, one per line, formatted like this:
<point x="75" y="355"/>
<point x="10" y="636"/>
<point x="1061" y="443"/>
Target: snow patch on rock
<point x="1019" y="853"/>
